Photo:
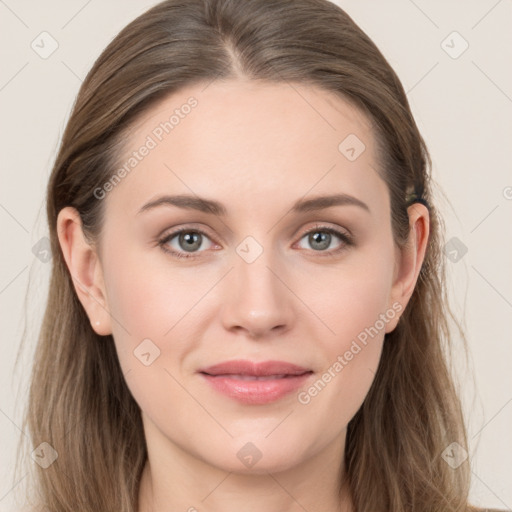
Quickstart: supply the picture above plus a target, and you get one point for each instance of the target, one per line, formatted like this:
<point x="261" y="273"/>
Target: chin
<point x="258" y="455"/>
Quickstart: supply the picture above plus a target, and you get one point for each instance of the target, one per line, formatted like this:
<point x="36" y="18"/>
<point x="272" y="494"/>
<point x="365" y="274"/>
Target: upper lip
<point x="257" y="369"/>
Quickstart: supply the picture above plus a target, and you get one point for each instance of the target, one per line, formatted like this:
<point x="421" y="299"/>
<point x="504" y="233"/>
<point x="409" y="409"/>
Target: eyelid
<point x="319" y="226"/>
<point x="343" y="234"/>
<point x="193" y="227"/>
<point x="164" y="239"/>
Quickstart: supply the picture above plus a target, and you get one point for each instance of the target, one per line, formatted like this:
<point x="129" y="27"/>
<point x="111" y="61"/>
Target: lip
<point x="255" y="383"/>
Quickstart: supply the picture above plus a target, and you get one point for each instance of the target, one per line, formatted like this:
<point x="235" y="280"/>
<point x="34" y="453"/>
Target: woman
<point x="247" y="306"/>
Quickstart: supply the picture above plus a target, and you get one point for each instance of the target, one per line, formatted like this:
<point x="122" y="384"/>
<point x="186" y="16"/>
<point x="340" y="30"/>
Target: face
<point x="272" y="275"/>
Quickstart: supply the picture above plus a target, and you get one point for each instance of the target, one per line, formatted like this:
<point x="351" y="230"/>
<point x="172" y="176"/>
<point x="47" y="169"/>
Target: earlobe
<point x="410" y="258"/>
<point x="85" y="269"/>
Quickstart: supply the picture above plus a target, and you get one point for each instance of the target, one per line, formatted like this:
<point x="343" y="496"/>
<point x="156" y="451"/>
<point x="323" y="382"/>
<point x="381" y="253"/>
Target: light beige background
<point x="463" y="107"/>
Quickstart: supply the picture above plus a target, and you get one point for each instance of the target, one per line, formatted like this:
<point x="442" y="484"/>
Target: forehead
<point x="250" y="143"/>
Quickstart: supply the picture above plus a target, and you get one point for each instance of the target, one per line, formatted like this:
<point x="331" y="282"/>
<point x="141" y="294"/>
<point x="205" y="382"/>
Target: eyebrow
<point x="215" y="208"/>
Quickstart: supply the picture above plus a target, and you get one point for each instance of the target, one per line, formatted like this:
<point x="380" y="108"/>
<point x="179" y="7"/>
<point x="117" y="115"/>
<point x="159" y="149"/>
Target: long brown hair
<point x="79" y="402"/>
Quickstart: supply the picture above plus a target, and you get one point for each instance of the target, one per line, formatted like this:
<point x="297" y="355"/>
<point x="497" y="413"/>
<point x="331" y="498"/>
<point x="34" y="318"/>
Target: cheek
<point x="353" y="303"/>
<point x="350" y="298"/>
<point x="153" y="318"/>
<point x="146" y="303"/>
<point x="351" y="358"/>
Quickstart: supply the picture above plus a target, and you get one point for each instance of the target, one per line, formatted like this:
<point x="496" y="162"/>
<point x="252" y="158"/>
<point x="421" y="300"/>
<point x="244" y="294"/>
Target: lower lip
<point x="256" y="392"/>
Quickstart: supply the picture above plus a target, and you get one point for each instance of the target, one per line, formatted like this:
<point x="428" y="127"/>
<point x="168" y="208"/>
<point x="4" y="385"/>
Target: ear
<point x="409" y="260"/>
<point x="85" y="269"/>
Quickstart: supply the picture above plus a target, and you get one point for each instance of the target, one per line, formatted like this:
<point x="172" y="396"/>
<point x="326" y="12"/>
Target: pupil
<point x="320" y="237"/>
<point x="191" y="241"/>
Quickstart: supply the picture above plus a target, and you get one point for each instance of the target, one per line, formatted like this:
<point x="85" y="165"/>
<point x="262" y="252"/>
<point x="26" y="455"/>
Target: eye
<point x="184" y="243"/>
<point x="188" y="242"/>
<point x="321" y="238"/>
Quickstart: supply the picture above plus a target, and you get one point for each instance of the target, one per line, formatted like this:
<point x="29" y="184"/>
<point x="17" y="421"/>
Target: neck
<point x="191" y="485"/>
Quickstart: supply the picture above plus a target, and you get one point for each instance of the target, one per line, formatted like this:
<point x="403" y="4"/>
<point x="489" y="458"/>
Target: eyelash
<point x="345" y="238"/>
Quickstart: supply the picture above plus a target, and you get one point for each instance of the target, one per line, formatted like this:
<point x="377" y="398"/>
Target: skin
<point x="256" y="148"/>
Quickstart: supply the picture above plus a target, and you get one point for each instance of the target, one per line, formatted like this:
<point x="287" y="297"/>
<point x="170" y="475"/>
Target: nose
<point x="257" y="300"/>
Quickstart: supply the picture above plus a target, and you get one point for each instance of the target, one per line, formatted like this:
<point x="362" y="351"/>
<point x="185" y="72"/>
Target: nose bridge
<point x="257" y="300"/>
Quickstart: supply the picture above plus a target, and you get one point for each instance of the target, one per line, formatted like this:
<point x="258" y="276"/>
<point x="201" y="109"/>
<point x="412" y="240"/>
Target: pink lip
<point x="230" y="377"/>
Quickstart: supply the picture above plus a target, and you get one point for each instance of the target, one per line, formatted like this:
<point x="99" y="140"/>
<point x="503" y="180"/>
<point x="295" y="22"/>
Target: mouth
<point x="254" y="377"/>
<point x="256" y="383"/>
